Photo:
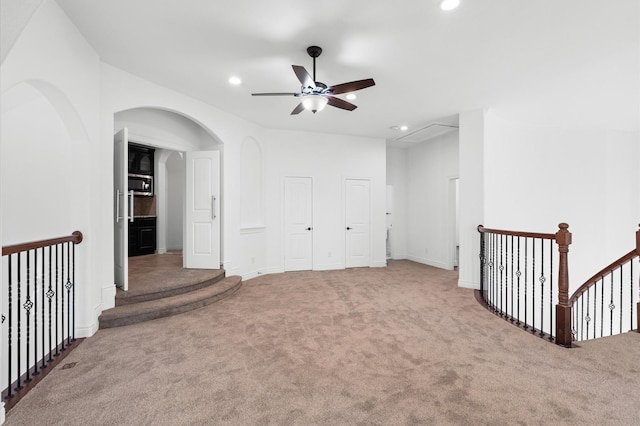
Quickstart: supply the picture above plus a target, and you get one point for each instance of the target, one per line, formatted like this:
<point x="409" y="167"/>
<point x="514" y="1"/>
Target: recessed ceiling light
<point x="351" y="96"/>
<point x="235" y="80"/>
<point x="449" y="4"/>
<point x="404" y="128"/>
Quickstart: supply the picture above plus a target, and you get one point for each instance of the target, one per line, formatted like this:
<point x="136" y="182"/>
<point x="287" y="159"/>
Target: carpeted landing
<point x="159" y="287"/>
<point x="399" y="345"/>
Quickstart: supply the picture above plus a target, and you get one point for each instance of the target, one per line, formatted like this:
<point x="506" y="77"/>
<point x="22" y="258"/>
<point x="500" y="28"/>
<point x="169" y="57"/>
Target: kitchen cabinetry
<point x="141" y="159"/>
<point x="142" y="236"/>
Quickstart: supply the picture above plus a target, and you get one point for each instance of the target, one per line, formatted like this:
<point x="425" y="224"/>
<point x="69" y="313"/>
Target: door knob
<point x="309" y="229"/>
<point x="349" y="228"/>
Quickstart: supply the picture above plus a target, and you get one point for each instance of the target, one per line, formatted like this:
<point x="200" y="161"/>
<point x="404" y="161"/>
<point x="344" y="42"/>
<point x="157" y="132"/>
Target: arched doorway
<point x="174" y="137"/>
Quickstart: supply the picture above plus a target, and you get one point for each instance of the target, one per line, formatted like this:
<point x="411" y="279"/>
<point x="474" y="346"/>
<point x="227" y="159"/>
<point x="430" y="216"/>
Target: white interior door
<point x="298" y="218"/>
<point x="358" y="223"/>
<point x="201" y="248"/>
<point x="123" y="203"/>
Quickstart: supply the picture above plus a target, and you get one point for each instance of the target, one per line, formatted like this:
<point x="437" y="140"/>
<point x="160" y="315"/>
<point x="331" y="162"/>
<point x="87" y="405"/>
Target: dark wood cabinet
<point x="141" y="160"/>
<point x="142" y="236"/>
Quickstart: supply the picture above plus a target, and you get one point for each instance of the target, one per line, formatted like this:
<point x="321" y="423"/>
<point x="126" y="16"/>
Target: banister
<point x="75" y="238"/>
<point x="604" y="271"/>
<point x="482" y="229"/>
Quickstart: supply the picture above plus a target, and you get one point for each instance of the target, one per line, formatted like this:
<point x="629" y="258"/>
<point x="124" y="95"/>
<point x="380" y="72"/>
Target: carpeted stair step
<point x="159" y="308"/>
<point x="177" y="282"/>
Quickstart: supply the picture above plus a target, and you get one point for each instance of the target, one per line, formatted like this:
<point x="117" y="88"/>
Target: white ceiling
<point x="553" y="62"/>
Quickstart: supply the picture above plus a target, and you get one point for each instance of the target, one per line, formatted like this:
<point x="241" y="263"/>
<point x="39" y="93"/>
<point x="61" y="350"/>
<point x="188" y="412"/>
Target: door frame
<point x="452" y="220"/>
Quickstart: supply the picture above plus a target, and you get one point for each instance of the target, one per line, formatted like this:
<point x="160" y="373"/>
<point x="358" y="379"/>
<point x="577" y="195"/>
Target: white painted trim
<point x="469" y="284"/>
<point x="379" y="264"/>
<point x="328" y="266"/>
<point x="108" y="297"/>
<point x="429" y="262"/>
<point x="90" y="330"/>
<point x="2" y="416"/>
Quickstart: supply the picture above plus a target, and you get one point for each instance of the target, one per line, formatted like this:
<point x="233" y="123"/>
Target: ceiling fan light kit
<point x="316" y="95"/>
<point x="314" y="103"/>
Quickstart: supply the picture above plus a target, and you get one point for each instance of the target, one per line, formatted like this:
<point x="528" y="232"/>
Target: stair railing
<point x="522" y="277"/>
<point x="38" y="309"/>
<point x="608" y="303"/>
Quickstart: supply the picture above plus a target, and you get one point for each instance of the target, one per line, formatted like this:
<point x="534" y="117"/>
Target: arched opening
<point x="172" y="135"/>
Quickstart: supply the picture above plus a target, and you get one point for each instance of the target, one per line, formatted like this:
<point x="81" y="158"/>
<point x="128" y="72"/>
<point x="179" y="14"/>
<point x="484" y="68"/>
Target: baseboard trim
<point x="328" y="267"/>
<point x="108" y="297"/>
<point x="379" y="264"/>
<point x="2" y="413"/>
<point x="429" y="262"/>
<point x="469" y="284"/>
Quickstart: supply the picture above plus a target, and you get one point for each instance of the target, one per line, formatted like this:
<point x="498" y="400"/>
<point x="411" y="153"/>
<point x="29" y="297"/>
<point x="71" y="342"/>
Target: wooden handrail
<point x="75" y="238"/>
<point x="604" y="271"/>
<point x="517" y="233"/>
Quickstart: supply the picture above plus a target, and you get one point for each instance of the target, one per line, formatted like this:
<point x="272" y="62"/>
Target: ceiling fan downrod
<point x="314" y="52"/>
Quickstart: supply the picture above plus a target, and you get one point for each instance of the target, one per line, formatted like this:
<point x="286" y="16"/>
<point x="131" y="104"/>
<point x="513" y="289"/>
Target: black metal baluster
<point x="588" y="318"/>
<point x="61" y="317"/>
<point x="57" y="290"/>
<point x="493" y="272"/>
<point x="611" y="306"/>
<point x="482" y="269"/>
<point x="68" y="287"/>
<point x="50" y="294"/>
<point x="533" y="286"/>
<point x="73" y="287"/>
<point x="19" y="330"/>
<point x="35" y="312"/>
<point x="602" y="308"/>
<point x="595" y="307"/>
<point x="542" y="280"/>
<point x="631" y="298"/>
<point x="27" y="307"/>
<point x="512" y="280"/>
<point x="621" y="273"/>
<point x="518" y="274"/>
<point x="501" y="270"/>
<point x="10" y="313"/>
<point x="42" y="309"/>
<point x="526" y="261"/>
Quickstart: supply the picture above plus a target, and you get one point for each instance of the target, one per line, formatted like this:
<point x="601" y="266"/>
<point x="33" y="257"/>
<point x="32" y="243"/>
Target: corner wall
<point x="537" y="176"/>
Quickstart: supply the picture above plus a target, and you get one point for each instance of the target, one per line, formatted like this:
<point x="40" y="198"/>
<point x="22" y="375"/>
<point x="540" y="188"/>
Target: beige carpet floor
<point x="399" y="345"/>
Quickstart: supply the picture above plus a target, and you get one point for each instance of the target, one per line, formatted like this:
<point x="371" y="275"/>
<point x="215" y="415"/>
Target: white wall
<point x="471" y="193"/>
<point x="537" y="176"/>
<point x="328" y="159"/>
<point x="431" y="166"/>
<point x="52" y="57"/>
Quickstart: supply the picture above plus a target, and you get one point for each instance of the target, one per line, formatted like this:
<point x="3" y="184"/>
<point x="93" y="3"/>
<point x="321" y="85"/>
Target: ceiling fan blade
<point x="303" y="76"/>
<point x="341" y="103"/>
<point x="298" y="109"/>
<point x="352" y="86"/>
<point x="275" y="94"/>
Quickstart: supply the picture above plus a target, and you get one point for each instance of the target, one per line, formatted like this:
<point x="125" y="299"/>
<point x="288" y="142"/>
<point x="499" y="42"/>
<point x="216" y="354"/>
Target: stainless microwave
<point x="141" y="184"/>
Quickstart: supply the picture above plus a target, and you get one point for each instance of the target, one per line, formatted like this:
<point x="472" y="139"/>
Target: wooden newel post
<point x="638" y="253"/>
<point x="564" y="335"/>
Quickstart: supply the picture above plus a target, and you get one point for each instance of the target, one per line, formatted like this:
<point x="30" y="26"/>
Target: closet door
<point x="298" y="227"/>
<point x="358" y="223"/>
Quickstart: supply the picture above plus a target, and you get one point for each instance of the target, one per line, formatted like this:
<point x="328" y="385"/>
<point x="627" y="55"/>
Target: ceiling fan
<point x="315" y="95"/>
